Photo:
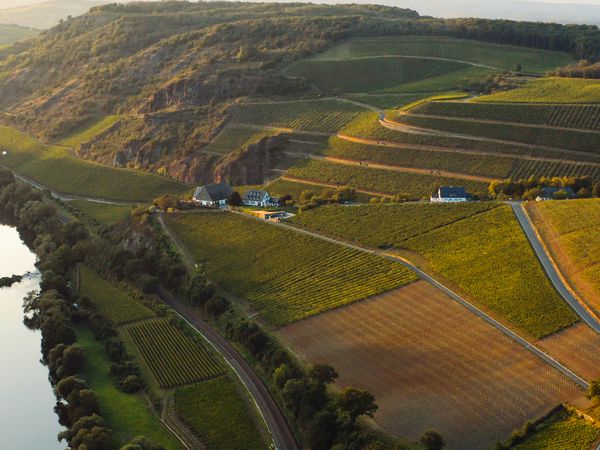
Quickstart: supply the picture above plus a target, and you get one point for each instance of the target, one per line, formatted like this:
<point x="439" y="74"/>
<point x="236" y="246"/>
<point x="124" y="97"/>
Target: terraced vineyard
<point x="378" y="180"/>
<point x="54" y="167"/>
<point x="113" y="302"/>
<point x="89" y="131"/>
<point x="526" y="168"/>
<point x="563" y="139"/>
<point x="489" y="258"/>
<point x="235" y="137"/>
<point x="474" y="52"/>
<point x="102" y="213"/>
<point x="472" y="164"/>
<point x="550" y="90"/>
<point x="431" y="364"/>
<point x="563" y="430"/>
<point x="585" y="117"/>
<point x="286" y="276"/>
<point x="387" y="224"/>
<point x="281" y="187"/>
<point x="173" y="358"/>
<point x="304" y="115"/>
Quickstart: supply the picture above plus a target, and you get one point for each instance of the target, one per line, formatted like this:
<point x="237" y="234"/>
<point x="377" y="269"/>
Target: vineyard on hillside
<point x="473" y="164"/>
<point x="213" y="409"/>
<point x="102" y="213"/>
<point x="281" y="187"/>
<point x="585" y="117"/>
<point x="381" y="226"/>
<point x="89" y="131"/>
<point x="432" y="364"/>
<point x="233" y="138"/>
<point x="368" y="75"/>
<point x="475" y="52"/>
<point x="304" y="115"/>
<point x="379" y="180"/>
<point x="174" y="358"/>
<point x="286" y="276"/>
<point x="550" y="90"/>
<point x="116" y="304"/>
<point x="526" y="168"/>
<point x="490" y="259"/>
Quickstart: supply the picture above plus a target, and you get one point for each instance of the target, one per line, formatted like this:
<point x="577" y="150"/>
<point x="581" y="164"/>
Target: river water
<point x="27" y="418"/>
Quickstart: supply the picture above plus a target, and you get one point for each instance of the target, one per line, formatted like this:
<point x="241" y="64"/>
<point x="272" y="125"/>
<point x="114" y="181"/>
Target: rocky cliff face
<point x="252" y="164"/>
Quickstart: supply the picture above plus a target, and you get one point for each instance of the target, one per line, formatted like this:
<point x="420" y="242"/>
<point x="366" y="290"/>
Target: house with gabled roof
<point x="255" y="197"/>
<point x="450" y="194"/>
<point x="212" y="195"/>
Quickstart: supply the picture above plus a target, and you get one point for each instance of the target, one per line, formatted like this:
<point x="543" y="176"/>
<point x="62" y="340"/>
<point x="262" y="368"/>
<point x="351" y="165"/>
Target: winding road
<point x="550" y="269"/>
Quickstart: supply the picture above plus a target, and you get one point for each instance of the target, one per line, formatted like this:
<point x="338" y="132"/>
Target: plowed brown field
<point x="577" y="347"/>
<point x="432" y="365"/>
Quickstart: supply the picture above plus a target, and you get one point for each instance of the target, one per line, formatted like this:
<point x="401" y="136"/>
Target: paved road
<point x="550" y="269"/>
<point x="274" y="419"/>
<point x="511" y="334"/>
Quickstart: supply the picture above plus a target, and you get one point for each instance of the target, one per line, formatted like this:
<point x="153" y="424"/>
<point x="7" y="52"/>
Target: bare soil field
<point x="432" y="365"/>
<point x="577" y="347"/>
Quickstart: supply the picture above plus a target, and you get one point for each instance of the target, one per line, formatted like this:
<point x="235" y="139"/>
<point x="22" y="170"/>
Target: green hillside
<point x="14" y="33"/>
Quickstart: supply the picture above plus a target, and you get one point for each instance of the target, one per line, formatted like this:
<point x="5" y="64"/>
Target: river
<point x="27" y="418"/>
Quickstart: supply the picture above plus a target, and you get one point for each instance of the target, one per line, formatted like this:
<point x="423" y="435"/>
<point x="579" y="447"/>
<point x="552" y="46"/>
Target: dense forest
<point x="176" y="68"/>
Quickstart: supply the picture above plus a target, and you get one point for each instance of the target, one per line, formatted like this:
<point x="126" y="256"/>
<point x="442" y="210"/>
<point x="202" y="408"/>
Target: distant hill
<point x="14" y="33"/>
<point x="44" y="15"/>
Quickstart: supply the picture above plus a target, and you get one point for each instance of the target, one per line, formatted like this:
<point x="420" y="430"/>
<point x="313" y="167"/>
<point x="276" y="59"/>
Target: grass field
<point x="490" y="259"/>
<point x="286" y="276"/>
<point x="550" y="90"/>
<point x="102" y="213"/>
<point x="378" y="180"/>
<point x="577" y="347"/>
<point x="174" y="358"/>
<point x="473" y="164"/>
<point x="562" y="431"/>
<point x="57" y="169"/>
<point x="89" y="131"/>
<point x="14" y="33"/>
<point x="385" y="225"/>
<point x="113" y="302"/>
<point x="127" y="415"/>
<point x="499" y="56"/>
<point x="431" y="364"/>
<point x="213" y="410"/>
<point x="235" y="137"/>
<point x="570" y="231"/>
<point x="304" y="115"/>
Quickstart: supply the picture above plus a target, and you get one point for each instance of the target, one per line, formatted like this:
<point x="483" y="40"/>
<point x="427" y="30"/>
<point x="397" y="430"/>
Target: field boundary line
<point x="429" y="58"/>
<point x="441" y="149"/>
<point x="552" y="270"/>
<point x="478" y="312"/>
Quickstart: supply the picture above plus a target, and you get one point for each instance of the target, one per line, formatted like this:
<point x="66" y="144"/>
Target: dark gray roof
<point x="452" y="192"/>
<point x="212" y="192"/>
<point x="256" y="195"/>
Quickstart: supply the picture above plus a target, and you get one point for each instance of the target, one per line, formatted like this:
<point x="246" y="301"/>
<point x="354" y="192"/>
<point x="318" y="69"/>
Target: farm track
<point x="505" y="330"/>
<point x="496" y="122"/>
<point x="552" y="270"/>
<point x="441" y="149"/>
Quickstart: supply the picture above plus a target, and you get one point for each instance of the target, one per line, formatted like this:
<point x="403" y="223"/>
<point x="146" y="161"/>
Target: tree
<point x="323" y="373"/>
<point x="432" y="440"/>
<point x="357" y="402"/>
<point x="596" y="189"/>
<point x="594" y="390"/>
<point x="518" y="67"/>
<point x="165" y="202"/>
<point x="234" y="199"/>
<point x="141" y="443"/>
<point x="87" y="433"/>
<point x="6" y="177"/>
<point x="281" y="375"/>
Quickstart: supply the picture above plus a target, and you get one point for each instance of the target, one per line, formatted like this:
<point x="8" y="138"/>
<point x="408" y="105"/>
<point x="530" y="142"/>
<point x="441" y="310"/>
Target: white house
<point x="550" y="193"/>
<point x="450" y="194"/>
<point x="212" y="195"/>
<point x="254" y="197"/>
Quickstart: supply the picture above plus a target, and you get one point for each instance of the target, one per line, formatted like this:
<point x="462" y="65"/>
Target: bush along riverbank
<point x="9" y="281"/>
<point x="136" y="252"/>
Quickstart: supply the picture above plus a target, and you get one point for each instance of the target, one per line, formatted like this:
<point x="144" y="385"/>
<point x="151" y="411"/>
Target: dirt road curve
<point x="277" y="425"/>
<point x="550" y="269"/>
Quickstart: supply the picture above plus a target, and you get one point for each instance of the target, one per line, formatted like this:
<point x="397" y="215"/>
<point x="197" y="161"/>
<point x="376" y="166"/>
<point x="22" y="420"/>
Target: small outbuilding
<point x="212" y="195"/>
<point x="450" y="194"/>
<point x="255" y="197"/>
